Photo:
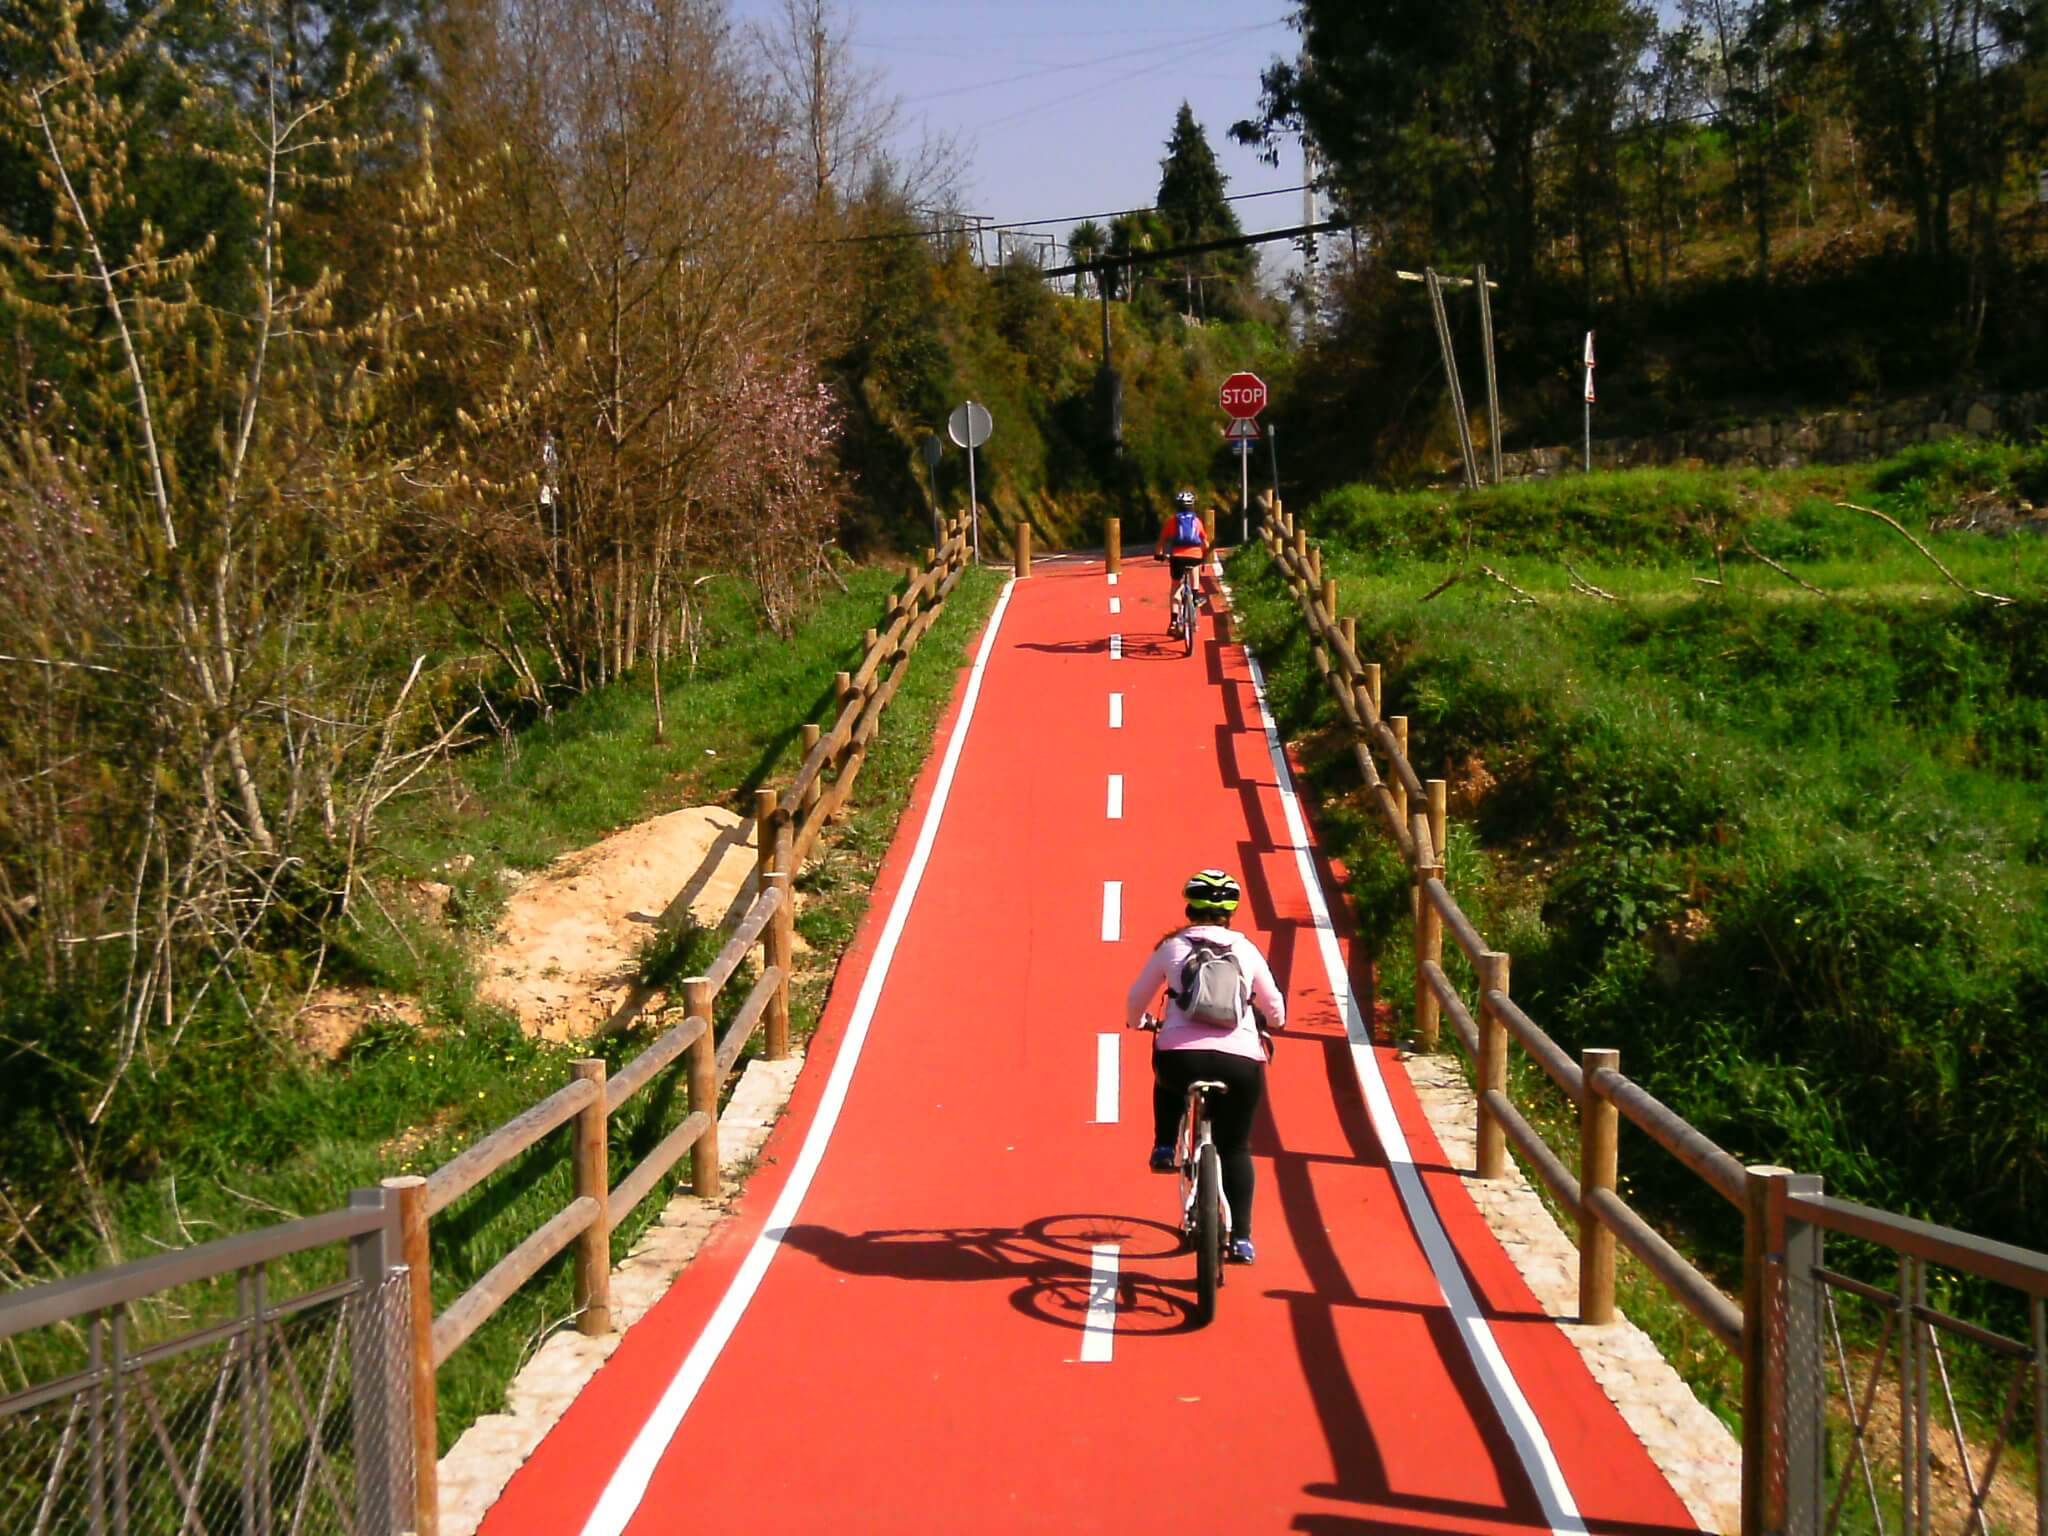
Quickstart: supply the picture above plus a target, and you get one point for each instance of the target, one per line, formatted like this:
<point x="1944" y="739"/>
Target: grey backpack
<point x="1212" y="988"/>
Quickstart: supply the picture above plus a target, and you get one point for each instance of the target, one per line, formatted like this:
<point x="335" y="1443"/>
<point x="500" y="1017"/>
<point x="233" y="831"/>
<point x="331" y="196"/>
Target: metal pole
<point x="973" y="491"/>
<point x="1244" y="492"/>
<point x="1492" y="382"/>
<point x="1273" y="458"/>
<point x="1434" y="285"/>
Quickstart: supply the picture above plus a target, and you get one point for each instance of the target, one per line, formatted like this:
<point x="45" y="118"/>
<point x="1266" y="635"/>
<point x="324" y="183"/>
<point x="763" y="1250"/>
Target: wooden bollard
<point x="411" y="1190"/>
<point x="1023" y="549"/>
<point x="778" y="945"/>
<point x="1599" y="1135"/>
<point x="1399" y="725"/>
<point x="1113" y="544"/>
<point x="1493" y="1066"/>
<point x="697" y="1004"/>
<point x="593" y="1178"/>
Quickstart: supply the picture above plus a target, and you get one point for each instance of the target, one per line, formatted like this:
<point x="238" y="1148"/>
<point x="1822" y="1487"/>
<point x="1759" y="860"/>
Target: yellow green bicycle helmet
<point x="1211" y="893"/>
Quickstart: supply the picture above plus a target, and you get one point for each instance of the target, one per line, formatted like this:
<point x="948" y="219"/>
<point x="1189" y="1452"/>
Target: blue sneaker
<point x="1162" y="1160"/>
<point x="1241" y="1251"/>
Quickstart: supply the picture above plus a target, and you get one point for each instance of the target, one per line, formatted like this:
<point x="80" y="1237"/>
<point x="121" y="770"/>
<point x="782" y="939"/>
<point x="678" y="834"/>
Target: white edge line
<point x="1098" y="1339"/>
<point x="1108" y="1073"/>
<point x="1518" y="1418"/>
<point x="1112" y="910"/>
<point x="628" y="1484"/>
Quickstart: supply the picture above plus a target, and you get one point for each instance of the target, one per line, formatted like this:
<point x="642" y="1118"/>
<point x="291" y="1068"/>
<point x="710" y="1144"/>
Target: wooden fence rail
<point x="787" y="827"/>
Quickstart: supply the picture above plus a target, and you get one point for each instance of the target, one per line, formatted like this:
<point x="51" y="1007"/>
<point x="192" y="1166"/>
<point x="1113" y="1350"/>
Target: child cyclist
<point x="1187" y="1050"/>
<point x="1184" y="542"/>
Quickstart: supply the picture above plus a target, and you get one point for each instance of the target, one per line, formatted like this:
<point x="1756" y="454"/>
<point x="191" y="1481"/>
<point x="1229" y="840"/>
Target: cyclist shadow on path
<point x="1046" y="1260"/>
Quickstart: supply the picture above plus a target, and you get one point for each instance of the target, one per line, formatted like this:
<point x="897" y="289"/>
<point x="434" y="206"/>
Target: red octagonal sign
<point x="1243" y="395"/>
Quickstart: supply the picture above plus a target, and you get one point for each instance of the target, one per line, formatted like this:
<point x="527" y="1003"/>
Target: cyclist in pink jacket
<point x="1188" y="1050"/>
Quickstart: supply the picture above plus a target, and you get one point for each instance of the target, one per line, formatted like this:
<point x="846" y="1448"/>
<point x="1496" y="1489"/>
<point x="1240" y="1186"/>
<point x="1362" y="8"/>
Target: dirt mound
<point x="568" y="947"/>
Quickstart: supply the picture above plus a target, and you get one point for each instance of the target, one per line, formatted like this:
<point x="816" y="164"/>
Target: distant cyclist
<point x="1187" y="1050"/>
<point x="1184" y="542"/>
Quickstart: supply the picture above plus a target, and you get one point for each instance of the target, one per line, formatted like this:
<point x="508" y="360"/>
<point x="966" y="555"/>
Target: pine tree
<point x="1194" y="209"/>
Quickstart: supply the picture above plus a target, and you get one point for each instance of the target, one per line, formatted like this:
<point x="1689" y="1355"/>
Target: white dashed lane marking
<point x="1116" y="797"/>
<point x="1099" y="1337"/>
<point x="1112" y="910"/>
<point x="1108" y="1057"/>
<point x="1116" y="711"/>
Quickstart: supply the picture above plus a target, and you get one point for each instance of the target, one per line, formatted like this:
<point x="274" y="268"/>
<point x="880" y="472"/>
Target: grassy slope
<point x="1786" y="852"/>
<point x="405" y="1099"/>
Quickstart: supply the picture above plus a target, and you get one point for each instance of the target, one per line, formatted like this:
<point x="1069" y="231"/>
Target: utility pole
<point x="1434" y="283"/>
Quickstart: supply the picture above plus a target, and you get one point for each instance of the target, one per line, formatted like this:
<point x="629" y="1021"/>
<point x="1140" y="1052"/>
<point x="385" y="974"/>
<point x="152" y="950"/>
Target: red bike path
<point x="890" y="1333"/>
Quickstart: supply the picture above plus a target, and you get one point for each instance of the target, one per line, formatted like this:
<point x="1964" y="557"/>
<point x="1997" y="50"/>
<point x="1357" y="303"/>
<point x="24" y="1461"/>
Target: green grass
<point x="1787" y="853"/>
<point x="294" y="1137"/>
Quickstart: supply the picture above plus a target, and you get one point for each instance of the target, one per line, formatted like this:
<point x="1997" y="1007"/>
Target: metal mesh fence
<point x="1929" y="1425"/>
<point x="292" y="1418"/>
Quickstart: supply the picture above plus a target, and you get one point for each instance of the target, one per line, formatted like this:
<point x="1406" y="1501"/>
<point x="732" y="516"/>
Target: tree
<point x="1085" y="243"/>
<point x="1433" y="115"/>
<point x="636" y="280"/>
<point x="1194" y="209"/>
<point x="192" y="480"/>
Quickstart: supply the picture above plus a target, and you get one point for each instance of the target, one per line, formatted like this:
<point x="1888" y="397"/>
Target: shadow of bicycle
<point x="1048" y="1263"/>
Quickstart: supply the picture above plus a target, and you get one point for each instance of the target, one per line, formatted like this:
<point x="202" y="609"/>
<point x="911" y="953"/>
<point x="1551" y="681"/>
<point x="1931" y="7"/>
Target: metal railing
<point x="180" y="1394"/>
<point x="1800" y="1456"/>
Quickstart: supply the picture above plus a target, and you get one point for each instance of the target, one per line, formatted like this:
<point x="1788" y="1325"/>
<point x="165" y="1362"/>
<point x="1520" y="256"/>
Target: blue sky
<point x="1062" y="107"/>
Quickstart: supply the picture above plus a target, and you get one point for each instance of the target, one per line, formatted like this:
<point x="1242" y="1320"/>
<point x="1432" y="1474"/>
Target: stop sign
<point x="1243" y="395"/>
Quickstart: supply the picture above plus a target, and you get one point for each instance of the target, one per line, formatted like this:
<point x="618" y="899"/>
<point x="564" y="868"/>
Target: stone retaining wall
<point x="1836" y="437"/>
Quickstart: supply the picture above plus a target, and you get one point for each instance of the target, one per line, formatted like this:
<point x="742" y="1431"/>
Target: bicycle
<point x="1204" y="1212"/>
<point x="1182" y="611"/>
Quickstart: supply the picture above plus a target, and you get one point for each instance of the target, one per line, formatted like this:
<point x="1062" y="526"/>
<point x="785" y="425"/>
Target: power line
<point x="1199" y="248"/>
<point x="968" y="229"/>
<point x="1180" y="46"/>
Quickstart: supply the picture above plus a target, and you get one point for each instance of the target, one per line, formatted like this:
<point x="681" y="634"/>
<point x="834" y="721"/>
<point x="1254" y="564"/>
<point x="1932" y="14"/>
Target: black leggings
<point x="1230" y="1115"/>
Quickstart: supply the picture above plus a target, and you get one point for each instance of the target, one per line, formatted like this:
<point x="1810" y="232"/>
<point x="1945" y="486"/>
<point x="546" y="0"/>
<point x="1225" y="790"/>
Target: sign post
<point x="1589" y="402"/>
<point x="1242" y="397"/>
<point x="932" y="450"/>
<point x="969" y="426"/>
<point x="1273" y="459"/>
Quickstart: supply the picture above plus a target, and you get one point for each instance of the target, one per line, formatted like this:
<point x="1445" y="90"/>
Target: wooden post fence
<point x="1493" y="1066"/>
<point x="1599" y="1138"/>
<point x="411" y="1190"/>
<point x="593" y="1181"/>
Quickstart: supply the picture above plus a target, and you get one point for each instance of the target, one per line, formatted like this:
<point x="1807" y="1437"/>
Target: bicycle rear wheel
<point x="1187" y="618"/>
<point x="1208" y="1232"/>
